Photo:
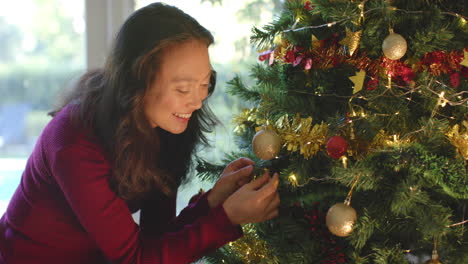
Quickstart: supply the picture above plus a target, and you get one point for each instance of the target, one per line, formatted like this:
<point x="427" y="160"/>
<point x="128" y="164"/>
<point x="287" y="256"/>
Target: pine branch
<point x="238" y="88"/>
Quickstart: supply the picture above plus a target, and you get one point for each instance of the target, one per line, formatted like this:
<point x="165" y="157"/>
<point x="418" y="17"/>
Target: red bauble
<point x="336" y="147"/>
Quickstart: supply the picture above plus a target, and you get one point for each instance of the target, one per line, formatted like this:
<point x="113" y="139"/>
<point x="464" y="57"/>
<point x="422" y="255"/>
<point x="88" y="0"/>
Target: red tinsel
<point x="400" y="72"/>
<point x="441" y="62"/>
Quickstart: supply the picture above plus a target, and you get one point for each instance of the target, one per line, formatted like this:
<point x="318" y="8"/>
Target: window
<point x="42" y="50"/>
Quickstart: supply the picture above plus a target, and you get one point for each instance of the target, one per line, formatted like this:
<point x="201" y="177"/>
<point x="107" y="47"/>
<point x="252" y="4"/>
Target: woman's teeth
<point x="183" y="115"/>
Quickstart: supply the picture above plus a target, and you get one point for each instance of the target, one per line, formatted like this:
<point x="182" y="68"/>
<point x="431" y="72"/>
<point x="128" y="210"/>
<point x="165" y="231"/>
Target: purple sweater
<point x="64" y="211"/>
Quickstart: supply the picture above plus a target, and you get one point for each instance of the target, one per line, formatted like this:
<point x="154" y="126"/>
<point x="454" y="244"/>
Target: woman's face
<point x="180" y="86"/>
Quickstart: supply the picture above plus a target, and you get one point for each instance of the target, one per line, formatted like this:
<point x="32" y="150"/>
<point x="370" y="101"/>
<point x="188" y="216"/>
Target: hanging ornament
<point x="394" y="46"/>
<point x="340" y="219"/>
<point x="358" y="80"/>
<point x="435" y="255"/>
<point x="266" y="144"/>
<point x="351" y="40"/>
<point x="464" y="62"/>
<point x="341" y="216"/>
<point x="336" y="147"/>
<point x="316" y="43"/>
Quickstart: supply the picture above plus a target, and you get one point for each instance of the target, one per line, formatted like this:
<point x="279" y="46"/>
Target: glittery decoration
<point x="245" y="117"/>
<point x="250" y="249"/>
<point x="266" y="144"/>
<point x="459" y="138"/>
<point x="301" y="135"/>
<point x="279" y="41"/>
<point x="351" y="40"/>
<point x="340" y="219"/>
<point x="441" y="62"/>
<point x="394" y="46"/>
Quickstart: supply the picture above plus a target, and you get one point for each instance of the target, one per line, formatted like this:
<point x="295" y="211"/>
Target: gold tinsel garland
<point x="301" y="135"/>
<point x="247" y="116"/>
<point x="250" y="249"/>
<point x="458" y="136"/>
<point x="298" y="134"/>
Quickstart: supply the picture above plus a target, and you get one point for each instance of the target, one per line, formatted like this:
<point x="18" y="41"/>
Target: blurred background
<point x="47" y="44"/>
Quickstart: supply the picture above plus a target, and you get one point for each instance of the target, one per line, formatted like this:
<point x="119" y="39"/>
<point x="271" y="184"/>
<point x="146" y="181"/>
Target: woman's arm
<point x="83" y="173"/>
<point x="150" y="214"/>
<point x="235" y="175"/>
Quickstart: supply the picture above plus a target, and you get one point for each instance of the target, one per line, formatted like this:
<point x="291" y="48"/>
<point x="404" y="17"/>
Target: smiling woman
<point x="123" y="139"/>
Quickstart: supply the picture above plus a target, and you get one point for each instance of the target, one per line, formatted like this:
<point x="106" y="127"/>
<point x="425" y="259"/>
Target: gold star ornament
<point x="351" y="40"/>
<point x="358" y="80"/>
<point x="465" y="59"/>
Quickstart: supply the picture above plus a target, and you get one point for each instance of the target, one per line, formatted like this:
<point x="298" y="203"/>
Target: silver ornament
<point x="394" y="46"/>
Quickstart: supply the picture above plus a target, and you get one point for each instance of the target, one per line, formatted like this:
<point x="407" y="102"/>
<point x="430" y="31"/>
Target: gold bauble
<point x="394" y="46"/>
<point x="266" y="144"/>
<point x="340" y="219"/>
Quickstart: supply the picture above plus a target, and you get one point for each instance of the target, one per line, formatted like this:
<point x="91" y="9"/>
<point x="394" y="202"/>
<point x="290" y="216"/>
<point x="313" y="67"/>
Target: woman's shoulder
<point x="67" y="130"/>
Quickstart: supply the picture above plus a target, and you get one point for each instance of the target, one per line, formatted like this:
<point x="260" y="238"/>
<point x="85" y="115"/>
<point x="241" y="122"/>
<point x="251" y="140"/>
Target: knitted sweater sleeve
<point x="82" y="173"/>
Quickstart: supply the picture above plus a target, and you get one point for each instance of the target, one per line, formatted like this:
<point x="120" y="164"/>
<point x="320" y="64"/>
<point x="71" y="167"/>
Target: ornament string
<point x="350" y="193"/>
<point x="435" y="255"/>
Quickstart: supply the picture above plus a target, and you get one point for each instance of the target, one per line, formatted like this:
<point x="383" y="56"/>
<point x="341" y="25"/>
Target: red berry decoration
<point x="336" y="147"/>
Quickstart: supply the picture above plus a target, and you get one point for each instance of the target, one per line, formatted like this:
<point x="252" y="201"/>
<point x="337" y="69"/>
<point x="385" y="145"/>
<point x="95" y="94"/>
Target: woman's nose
<point x="196" y="101"/>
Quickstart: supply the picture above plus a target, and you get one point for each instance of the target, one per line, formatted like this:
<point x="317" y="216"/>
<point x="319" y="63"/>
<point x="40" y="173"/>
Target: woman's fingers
<point x="239" y="164"/>
<point x="259" y="182"/>
<point x="255" y="202"/>
<point x="274" y="203"/>
<point x="270" y="188"/>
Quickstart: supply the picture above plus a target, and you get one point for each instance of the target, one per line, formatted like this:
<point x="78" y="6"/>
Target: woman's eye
<point x="182" y="91"/>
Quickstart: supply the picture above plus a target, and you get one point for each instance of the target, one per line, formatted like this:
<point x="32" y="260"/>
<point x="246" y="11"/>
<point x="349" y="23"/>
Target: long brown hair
<point x="111" y="104"/>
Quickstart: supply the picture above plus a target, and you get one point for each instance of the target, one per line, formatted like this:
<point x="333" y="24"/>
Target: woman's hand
<point x="236" y="174"/>
<point x="255" y="202"/>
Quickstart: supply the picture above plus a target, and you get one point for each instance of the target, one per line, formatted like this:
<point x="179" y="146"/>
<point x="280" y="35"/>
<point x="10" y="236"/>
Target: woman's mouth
<point x="184" y="117"/>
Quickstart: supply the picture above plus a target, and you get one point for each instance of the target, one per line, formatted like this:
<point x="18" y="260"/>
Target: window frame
<point x="103" y="19"/>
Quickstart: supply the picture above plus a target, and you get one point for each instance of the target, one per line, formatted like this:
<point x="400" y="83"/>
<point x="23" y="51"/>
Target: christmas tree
<point x="362" y="108"/>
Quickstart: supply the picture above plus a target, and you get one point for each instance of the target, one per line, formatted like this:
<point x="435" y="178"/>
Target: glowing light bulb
<point x="292" y="178"/>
